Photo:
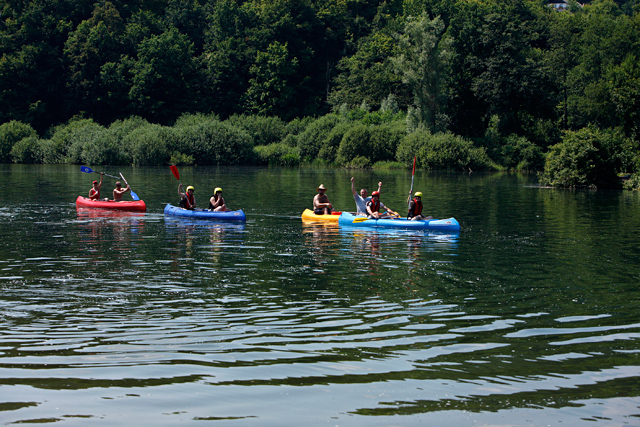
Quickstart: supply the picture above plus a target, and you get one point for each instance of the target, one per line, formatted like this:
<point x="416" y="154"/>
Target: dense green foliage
<point x="469" y="84"/>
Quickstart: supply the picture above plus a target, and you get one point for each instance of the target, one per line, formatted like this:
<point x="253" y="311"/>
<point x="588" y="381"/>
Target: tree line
<point x="467" y="84"/>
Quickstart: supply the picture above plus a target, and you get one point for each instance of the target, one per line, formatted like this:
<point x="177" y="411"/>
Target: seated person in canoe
<point x="216" y="202"/>
<point x="119" y="191"/>
<point x="321" y="205"/>
<point x="415" y="208"/>
<point x="375" y="205"/>
<point x="94" y="193"/>
<point x="187" y="200"/>
<point x="361" y="199"/>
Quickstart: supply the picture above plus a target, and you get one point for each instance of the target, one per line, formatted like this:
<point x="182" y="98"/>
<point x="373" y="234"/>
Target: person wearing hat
<point x="94" y="193"/>
<point x="321" y="205"/>
<point x="118" y="192"/>
<point x="216" y="202"/>
<point x="375" y="205"/>
<point x="187" y="200"/>
<point x="361" y="199"/>
<point x="415" y="208"/>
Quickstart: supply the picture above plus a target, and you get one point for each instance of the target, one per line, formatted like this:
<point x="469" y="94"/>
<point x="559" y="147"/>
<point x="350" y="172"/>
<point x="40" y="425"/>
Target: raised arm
<point x="353" y="186"/>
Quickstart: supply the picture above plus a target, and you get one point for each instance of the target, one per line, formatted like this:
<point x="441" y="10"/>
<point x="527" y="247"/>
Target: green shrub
<point x="214" y="143"/>
<point x="297" y="126"/>
<point x="329" y="150"/>
<point x="359" y="162"/>
<point x="441" y="151"/>
<point x="312" y="139"/>
<point x="10" y="134"/>
<point x="355" y="143"/>
<point x="385" y="139"/>
<point x="521" y="154"/>
<point x="263" y="130"/>
<point x="588" y="157"/>
<point x="82" y="145"/>
<point x="279" y="154"/>
<point x="148" y="145"/>
<point x="27" y="150"/>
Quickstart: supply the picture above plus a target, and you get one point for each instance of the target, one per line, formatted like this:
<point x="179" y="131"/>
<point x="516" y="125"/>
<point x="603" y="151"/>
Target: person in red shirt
<point x="94" y="193"/>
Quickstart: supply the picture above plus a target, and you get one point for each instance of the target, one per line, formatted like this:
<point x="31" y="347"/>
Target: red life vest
<point x="375" y="206"/>
<point x="416" y="208"/>
<point x="190" y="199"/>
<point x="93" y="192"/>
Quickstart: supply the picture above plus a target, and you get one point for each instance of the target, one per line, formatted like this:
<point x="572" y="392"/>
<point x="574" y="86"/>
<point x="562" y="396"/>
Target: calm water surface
<point x="528" y="317"/>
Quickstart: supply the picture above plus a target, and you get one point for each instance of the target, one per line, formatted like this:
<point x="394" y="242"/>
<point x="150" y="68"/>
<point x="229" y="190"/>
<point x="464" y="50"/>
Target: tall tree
<point x="423" y="60"/>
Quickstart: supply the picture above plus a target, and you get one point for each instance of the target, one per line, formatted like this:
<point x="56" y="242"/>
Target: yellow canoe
<point x="308" y="215"/>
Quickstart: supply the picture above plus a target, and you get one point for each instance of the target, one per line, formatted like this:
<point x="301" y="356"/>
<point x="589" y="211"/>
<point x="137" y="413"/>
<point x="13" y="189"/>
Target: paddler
<point x="375" y="205"/>
<point x="321" y="205"/>
<point x="187" y="200"/>
<point x="119" y="191"/>
<point x="216" y="202"/>
<point x="361" y="199"/>
<point x="94" y="193"/>
<point x="415" y="208"/>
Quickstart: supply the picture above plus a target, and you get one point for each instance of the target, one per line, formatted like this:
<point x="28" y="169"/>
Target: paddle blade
<point x="174" y="171"/>
<point x="134" y="196"/>
<point x="360" y="219"/>
<point x="85" y="169"/>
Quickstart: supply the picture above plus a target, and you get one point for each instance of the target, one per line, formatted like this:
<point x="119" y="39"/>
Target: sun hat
<point x="321" y="187"/>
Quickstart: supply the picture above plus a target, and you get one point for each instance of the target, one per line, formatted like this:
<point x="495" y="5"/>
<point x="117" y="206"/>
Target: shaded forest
<point x="468" y="84"/>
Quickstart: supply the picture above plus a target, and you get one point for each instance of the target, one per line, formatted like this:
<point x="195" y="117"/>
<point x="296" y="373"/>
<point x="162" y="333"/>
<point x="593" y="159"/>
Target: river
<point x="528" y="317"/>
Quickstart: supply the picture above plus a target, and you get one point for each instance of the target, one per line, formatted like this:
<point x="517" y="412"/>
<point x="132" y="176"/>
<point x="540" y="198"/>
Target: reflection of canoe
<point x="349" y="220"/>
<point x="178" y="224"/>
<point x="84" y="213"/>
<point x="310" y="216"/>
<point x="205" y="214"/>
<point x="132" y="206"/>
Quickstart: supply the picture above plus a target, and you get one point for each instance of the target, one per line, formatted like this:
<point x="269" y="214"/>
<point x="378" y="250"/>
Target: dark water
<point x="528" y="317"/>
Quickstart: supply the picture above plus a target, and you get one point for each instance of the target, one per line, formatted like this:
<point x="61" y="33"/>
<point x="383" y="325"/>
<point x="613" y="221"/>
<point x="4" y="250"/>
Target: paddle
<point x="364" y="218"/>
<point x="174" y="171"/>
<point x="134" y="196"/>
<point x="88" y="170"/>
<point x="413" y="173"/>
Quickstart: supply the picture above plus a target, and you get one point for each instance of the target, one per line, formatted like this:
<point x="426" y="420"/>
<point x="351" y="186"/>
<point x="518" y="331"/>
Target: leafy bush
<point x="148" y="145"/>
<point x="442" y="151"/>
<point x="386" y="165"/>
<point x="66" y="141"/>
<point x="263" y="130"/>
<point x="385" y="139"/>
<point x="588" y="157"/>
<point x="27" y="150"/>
<point x="312" y="139"/>
<point x="329" y="150"/>
<point x="359" y="162"/>
<point x="10" y="134"/>
<point x="214" y="143"/>
<point x="279" y="154"/>
<point x="521" y="154"/>
<point x="355" y="143"/>
<point x="82" y="144"/>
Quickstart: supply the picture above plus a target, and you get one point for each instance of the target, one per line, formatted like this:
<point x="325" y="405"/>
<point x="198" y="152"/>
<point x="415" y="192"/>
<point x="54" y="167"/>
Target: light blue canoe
<point x="349" y="220"/>
<point x="205" y="214"/>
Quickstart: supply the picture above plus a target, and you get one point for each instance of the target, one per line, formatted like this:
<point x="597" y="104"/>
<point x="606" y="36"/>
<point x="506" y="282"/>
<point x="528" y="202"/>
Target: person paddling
<point x="216" y="202"/>
<point x="415" y="208"/>
<point x="187" y="200"/>
<point x="119" y="191"/>
<point x="375" y="205"/>
<point x="94" y="193"/>
<point x="321" y="205"/>
<point x="361" y="199"/>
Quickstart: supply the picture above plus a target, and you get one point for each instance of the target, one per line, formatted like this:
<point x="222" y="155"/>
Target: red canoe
<point x="132" y="206"/>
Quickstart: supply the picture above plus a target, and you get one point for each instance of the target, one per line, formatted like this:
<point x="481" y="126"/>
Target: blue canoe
<point x="205" y="214"/>
<point x="349" y="220"/>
